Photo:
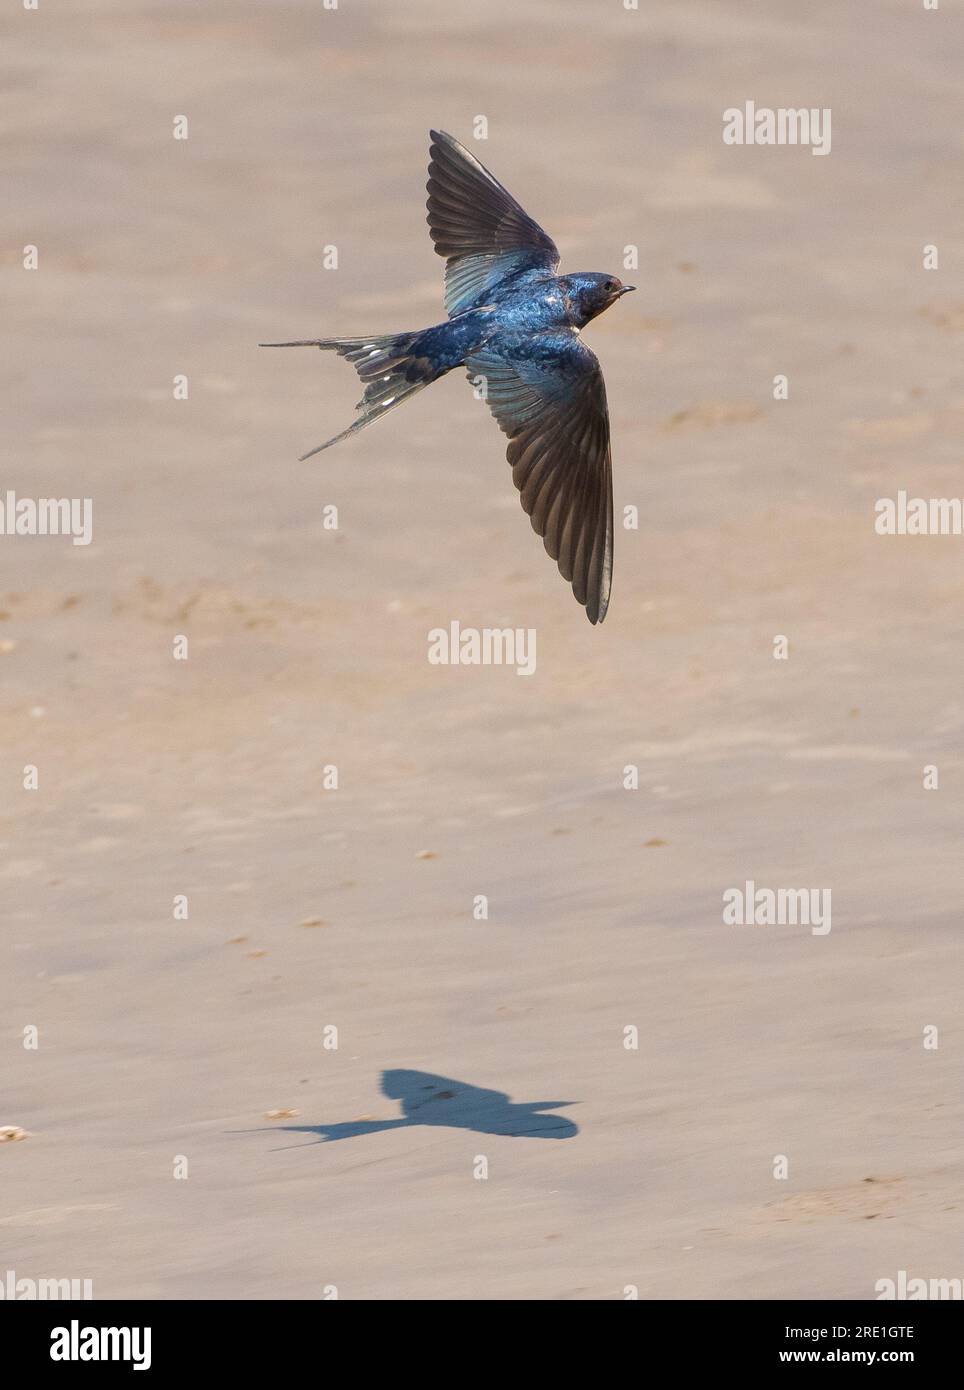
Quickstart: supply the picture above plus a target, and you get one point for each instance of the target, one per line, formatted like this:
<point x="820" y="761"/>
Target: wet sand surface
<point x="161" y="1038"/>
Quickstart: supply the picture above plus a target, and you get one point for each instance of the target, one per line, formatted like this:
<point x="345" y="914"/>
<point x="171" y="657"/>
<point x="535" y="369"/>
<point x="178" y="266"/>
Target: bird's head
<point x="588" y="293"/>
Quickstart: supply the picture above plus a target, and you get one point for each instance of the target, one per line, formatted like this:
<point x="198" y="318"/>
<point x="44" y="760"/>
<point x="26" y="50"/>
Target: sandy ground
<point x="161" y="1038"/>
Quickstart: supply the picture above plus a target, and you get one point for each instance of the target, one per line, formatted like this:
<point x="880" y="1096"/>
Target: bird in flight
<point x="514" y="324"/>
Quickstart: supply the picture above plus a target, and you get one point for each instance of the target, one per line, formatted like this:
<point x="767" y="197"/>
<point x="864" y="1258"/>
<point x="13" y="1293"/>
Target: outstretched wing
<point x="477" y="225"/>
<point x="549" y="397"/>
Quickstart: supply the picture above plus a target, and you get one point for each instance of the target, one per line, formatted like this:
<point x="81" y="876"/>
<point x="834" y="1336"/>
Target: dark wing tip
<point x="441" y="143"/>
<point x="597" y="607"/>
<point x="595" y="603"/>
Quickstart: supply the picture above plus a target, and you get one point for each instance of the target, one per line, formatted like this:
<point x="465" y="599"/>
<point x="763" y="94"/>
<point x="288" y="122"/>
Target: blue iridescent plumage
<point x="514" y="324"/>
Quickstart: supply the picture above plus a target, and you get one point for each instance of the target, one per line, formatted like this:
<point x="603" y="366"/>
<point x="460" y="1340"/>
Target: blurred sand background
<point x="308" y="647"/>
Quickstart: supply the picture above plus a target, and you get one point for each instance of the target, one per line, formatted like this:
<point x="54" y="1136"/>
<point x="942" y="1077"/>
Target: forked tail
<point x="389" y="367"/>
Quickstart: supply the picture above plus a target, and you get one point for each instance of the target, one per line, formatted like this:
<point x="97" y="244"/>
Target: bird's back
<point x="535" y="304"/>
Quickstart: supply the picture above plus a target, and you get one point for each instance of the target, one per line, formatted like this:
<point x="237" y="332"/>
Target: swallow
<point x="514" y="324"/>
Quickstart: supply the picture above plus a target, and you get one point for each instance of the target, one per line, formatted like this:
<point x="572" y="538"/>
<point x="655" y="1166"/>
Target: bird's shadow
<point x="427" y="1099"/>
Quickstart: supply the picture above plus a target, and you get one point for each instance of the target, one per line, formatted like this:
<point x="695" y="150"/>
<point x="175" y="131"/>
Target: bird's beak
<point x="626" y="289"/>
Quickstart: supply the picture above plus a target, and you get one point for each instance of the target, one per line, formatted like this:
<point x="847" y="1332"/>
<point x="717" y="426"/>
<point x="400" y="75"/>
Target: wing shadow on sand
<point x="427" y="1099"/>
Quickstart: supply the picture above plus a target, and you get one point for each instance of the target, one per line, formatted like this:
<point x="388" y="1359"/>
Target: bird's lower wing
<point x="486" y="238"/>
<point x="549" y="397"/>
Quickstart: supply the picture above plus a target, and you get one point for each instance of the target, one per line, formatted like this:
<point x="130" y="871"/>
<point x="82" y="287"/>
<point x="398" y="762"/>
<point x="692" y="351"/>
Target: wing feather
<point x="486" y="238"/>
<point x="550" y="400"/>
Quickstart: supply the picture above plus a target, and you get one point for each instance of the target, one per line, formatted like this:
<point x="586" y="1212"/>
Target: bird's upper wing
<point x="477" y="225"/>
<point x="549" y="397"/>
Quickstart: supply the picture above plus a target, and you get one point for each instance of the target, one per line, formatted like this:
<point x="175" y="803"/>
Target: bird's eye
<point x="610" y="285"/>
